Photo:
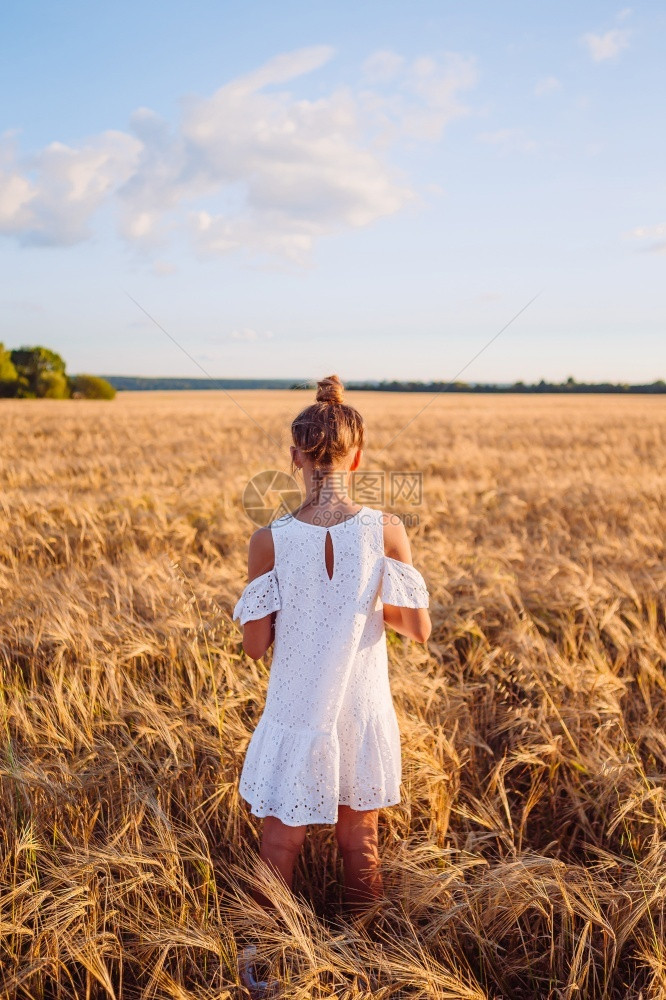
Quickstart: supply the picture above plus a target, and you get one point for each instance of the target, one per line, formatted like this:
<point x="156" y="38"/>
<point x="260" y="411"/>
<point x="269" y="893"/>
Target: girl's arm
<point x="413" y="622"/>
<point x="258" y="634"/>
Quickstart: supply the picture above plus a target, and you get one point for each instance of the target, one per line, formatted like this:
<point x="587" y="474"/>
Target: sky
<point x="374" y="189"/>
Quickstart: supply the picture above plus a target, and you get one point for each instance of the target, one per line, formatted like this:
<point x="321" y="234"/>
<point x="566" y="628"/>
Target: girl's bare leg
<point x="356" y="833"/>
<point x="280" y="847"/>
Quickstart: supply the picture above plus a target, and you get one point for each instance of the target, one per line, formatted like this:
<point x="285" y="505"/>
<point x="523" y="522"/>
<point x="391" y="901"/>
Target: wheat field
<point x="527" y="858"/>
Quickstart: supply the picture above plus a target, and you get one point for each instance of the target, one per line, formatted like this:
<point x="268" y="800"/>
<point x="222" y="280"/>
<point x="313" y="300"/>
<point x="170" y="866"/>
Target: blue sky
<point x="368" y="188"/>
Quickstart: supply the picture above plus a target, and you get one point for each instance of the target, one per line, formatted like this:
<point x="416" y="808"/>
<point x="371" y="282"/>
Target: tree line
<point x="144" y="383"/>
<point x="131" y="383"/>
<point x="39" y="373"/>
<point x="570" y="385"/>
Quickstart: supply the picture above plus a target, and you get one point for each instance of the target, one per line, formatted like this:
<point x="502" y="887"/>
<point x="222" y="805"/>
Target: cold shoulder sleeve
<point x="260" y="597"/>
<point x="403" y="585"/>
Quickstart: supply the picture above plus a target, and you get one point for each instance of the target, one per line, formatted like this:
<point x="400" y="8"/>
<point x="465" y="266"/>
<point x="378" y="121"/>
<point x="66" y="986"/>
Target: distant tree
<point x="54" y="385"/>
<point x="36" y="367"/>
<point x="9" y="382"/>
<point x="91" y="387"/>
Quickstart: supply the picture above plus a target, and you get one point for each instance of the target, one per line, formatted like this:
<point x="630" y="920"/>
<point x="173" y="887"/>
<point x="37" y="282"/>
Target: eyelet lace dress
<point x="328" y="733"/>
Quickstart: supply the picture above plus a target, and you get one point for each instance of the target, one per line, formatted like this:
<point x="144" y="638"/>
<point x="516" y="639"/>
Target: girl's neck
<point x="327" y="489"/>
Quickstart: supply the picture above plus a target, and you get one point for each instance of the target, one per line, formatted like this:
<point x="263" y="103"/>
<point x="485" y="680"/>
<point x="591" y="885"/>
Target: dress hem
<point x="321" y="822"/>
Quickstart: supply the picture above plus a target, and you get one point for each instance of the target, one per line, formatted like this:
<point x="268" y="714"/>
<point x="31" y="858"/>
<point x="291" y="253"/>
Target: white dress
<point x="328" y="733"/>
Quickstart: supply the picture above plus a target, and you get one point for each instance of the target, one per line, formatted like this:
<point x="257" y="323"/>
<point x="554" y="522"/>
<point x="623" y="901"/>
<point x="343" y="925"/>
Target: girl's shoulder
<point x="396" y="540"/>
<point x="394" y="536"/>
<point x="261" y="552"/>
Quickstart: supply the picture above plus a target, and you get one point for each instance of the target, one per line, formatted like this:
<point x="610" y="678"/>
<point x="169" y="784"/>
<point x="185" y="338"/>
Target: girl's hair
<point x="328" y="429"/>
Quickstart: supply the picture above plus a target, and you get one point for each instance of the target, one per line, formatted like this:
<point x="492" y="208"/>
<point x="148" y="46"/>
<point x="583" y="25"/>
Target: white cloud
<point x="609" y="44"/>
<point x="651" y="232"/>
<point x="283" y="67"/>
<point x="382" y="66"/>
<point x="655" y="234"/>
<point x="509" y="140"/>
<point x="16" y="194"/>
<point x="424" y="99"/>
<point x="606" y="46"/>
<point x="438" y="86"/>
<point x="249" y="167"/>
<point x="16" y="191"/>
<point x="547" y="85"/>
<point x="54" y="207"/>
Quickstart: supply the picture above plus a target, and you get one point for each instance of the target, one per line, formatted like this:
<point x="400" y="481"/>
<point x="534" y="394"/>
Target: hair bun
<point x="330" y="390"/>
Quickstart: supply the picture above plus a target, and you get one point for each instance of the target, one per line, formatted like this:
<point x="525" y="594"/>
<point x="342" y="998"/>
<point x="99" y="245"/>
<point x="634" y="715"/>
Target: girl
<point x="323" y="580"/>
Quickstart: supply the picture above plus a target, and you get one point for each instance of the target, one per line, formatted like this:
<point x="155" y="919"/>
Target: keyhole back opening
<point x="328" y="555"/>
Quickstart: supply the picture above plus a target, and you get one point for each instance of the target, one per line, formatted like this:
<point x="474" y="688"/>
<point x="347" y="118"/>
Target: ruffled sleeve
<point x="403" y="585"/>
<point x="260" y="597"/>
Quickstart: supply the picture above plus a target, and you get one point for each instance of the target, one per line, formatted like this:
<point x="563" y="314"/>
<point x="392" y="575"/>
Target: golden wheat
<point x="527" y="858"/>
